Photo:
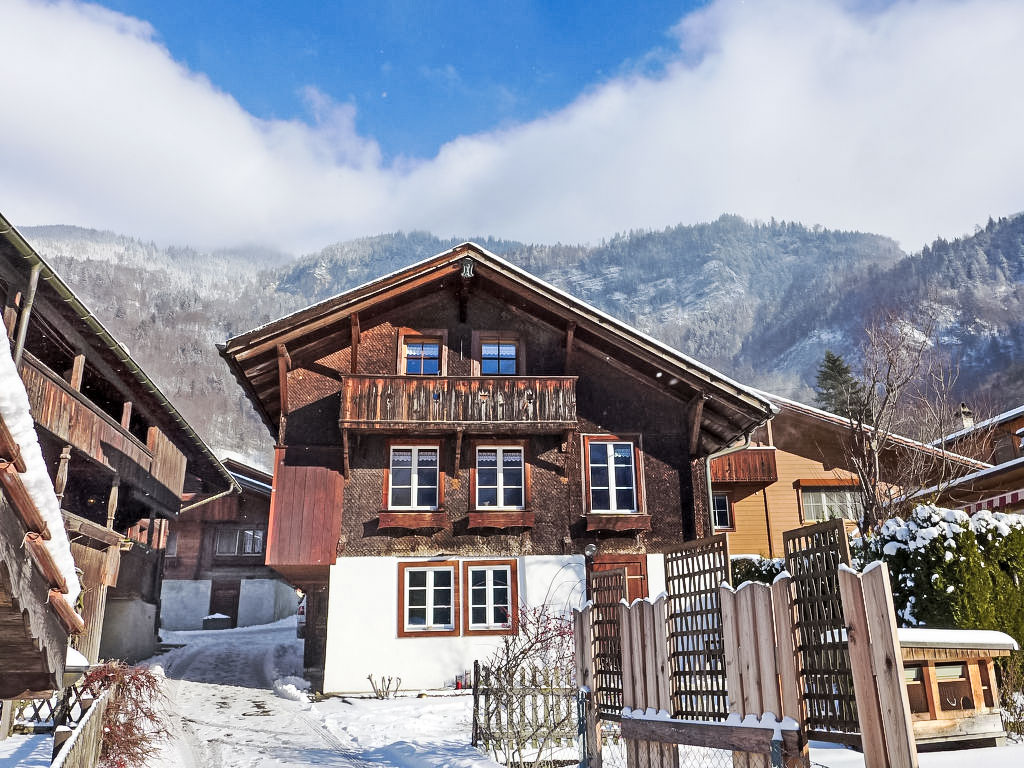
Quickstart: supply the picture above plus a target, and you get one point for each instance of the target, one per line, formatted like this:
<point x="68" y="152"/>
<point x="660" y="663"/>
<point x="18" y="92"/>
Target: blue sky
<point x="418" y="73"/>
<point x="296" y="125"/>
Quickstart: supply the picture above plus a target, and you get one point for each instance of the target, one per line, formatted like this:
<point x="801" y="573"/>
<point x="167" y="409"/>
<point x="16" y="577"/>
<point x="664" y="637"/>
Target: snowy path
<point x="224" y="713"/>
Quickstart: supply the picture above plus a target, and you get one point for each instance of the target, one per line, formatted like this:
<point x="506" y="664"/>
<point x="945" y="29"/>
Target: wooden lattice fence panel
<point x="813" y="556"/>
<point x="608" y="589"/>
<point x="693" y="575"/>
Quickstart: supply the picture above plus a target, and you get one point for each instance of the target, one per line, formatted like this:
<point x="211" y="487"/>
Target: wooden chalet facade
<point x="451" y="437"/>
<point x="216" y="560"/>
<point x="795" y="472"/>
<point x="116" y="449"/>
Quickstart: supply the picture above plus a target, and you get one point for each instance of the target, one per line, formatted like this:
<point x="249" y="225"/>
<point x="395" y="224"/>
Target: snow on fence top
<point x="14" y="409"/>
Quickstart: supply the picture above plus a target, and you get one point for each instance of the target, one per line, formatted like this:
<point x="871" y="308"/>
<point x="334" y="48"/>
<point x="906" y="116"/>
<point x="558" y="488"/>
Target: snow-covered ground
<point x="234" y="701"/>
<point x="26" y="751"/>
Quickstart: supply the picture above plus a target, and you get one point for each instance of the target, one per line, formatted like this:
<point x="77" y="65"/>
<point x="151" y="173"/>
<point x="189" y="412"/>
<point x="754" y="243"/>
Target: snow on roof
<point x="989" y="470"/>
<point x="1004" y="416"/>
<point x="14" y="409"/>
<point x="913" y="637"/>
<point x="522" y="274"/>
<point x="835" y="418"/>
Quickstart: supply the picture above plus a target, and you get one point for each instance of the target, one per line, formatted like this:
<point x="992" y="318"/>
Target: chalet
<point x="459" y="439"/>
<point x="116" y="450"/>
<point x="216" y="560"/>
<point x="795" y="472"/>
<point x="999" y="488"/>
<point x="38" y="583"/>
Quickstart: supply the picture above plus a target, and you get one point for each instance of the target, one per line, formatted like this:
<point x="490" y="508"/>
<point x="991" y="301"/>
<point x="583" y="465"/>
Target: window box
<point x="490" y="603"/>
<point x="598" y="521"/>
<point x="412" y="521"/>
<point x="501" y="519"/>
<point x="428" y="599"/>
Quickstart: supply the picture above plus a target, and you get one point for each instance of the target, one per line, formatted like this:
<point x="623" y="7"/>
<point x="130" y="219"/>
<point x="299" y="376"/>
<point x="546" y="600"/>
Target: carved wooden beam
<point x="354" y="364"/>
<point x="570" y="343"/>
<point x="697" y="413"/>
<point x="284" y="364"/>
<point x="344" y="453"/>
<point x="126" y="414"/>
<point x="77" y="373"/>
<point x="458" y="451"/>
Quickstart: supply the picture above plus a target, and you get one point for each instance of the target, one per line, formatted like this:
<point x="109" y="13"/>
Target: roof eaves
<point x="15" y="238"/>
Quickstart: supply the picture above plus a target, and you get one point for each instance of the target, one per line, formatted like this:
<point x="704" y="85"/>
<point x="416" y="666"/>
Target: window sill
<point x="453" y="632"/>
<point x="499" y="519"/>
<point x="618" y="521"/>
<point x="413" y="519"/>
<point x="496" y="631"/>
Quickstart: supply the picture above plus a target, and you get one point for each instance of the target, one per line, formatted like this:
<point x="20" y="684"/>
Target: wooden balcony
<point x="509" y="404"/>
<point x="156" y="470"/>
<point x="754" y="465"/>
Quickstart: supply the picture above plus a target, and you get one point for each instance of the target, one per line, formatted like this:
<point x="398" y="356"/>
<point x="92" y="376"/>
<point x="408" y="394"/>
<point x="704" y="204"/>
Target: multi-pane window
<point x="499" y="478"/>
<point x="612" y="477"/>
<point x="413" y="478"/>
<point x="490" y="596"/>
<point x="238" y="541"/>
<point x="830" y="503"/>
<point x="499" y="358"/>
<point x="721" y="511"/>
<point x="423" y="356"/>
<point x="429" y="598"/>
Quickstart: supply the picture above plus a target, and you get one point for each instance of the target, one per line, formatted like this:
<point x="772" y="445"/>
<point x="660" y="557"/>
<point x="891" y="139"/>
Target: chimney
<point x="966" y="416"/>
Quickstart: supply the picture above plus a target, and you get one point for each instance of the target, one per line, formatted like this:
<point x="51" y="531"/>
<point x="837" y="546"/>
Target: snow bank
<point x="15" y="411"/>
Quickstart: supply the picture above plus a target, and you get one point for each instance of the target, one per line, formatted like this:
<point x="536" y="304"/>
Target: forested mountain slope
<point x="759" y="301"/>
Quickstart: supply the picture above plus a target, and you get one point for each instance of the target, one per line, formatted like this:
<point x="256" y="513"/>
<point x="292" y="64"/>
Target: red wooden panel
<point x="305" y="513"/>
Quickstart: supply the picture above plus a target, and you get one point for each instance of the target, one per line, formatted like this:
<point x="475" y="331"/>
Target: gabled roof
<point x="730" y="409"/>
<point x="59" y="296"/>
<point x="832" y="422"/>
<point x="994" y="421"/>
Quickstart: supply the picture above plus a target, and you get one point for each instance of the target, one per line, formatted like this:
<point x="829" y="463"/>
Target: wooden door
<point x="224" y="598"/>
<point x="635" y="567"/>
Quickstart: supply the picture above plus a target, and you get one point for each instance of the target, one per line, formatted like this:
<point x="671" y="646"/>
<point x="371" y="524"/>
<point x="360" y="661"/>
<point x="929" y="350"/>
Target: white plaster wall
<point x="362" y="623"/>
<point x="128" y="630"/>
<point x="183" y="603"/>
<point x="262" y="601"/>
<point x="655" y="575"/>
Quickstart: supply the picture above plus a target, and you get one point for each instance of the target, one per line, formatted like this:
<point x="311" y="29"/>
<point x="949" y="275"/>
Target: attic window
<point x="422" y="352"/>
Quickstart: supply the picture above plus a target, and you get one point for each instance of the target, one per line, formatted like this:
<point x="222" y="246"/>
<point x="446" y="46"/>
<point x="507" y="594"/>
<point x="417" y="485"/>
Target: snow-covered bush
<point x="754" y="568"/>
<point x="953" y="570"/>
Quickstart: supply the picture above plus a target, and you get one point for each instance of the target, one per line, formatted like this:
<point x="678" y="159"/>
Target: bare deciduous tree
<point x="908" y="402"/>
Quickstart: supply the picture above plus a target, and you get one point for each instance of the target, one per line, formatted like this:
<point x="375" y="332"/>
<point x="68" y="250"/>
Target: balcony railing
<point x="473" y="403"/>
<point x="71" y="417"/>
<point x="754" y="465"/>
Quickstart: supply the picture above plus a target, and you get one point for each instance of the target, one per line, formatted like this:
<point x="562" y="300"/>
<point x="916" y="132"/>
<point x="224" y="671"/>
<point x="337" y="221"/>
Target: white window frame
<point x="728" y="511"/>
<point x="501" y="449"/>
<point x="820" y="504"/>
<point x="429" y="607"/>
<point x="239" y="532"/>
<point x="489" y="603"/>
<point x="612" y="488"/>
<point x="414" y="476"/>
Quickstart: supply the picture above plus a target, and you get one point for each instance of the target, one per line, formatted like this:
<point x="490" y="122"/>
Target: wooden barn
<point x="450" y="440"/>
<point x="117" y="450"/>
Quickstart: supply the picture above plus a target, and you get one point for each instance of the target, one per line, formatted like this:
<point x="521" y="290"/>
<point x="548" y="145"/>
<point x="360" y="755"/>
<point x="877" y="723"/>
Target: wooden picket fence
<point x="80" y="748"/>
<point x="528" y="719"/>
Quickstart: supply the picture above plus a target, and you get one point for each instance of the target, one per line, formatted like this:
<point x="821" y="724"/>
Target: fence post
<point x="872" y="735"/>
<point x="476" y="703"/>
<point x="6" y="718"/>
<point x="585" y="678"/>
<point x="887" y="662"/>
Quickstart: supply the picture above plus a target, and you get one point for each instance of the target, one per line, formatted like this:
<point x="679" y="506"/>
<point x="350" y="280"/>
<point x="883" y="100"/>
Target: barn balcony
<point x="493" y="404"/>
<point x="755" y="466"/>
<point x="153" y="471"/>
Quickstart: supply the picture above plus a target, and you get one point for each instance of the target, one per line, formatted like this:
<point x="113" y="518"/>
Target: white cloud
<point x="904" y="120"/>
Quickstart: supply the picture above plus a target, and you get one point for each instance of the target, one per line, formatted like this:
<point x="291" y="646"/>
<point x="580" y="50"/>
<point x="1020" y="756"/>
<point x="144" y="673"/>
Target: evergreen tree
<point x="835" y="389"/>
